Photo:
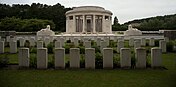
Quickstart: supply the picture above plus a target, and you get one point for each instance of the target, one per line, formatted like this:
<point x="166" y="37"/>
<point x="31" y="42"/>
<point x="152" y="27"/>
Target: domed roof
<point x="88" y="9"/>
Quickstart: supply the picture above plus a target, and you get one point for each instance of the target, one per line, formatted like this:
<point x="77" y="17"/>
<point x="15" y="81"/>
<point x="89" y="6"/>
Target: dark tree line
<point x="24" y="25"/>
<point x="55" y="13"/>
<point x="167" y="22"/>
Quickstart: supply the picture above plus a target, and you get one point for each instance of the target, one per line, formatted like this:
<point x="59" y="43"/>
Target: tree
<point x="116" y="21"/>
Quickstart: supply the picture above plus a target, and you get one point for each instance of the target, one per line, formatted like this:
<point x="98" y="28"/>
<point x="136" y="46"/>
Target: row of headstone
<point x="87" y="44"/>
<point x="125" y="58"/>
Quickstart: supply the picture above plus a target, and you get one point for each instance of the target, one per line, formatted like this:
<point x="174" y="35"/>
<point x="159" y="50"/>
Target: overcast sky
<point x="125" y="10"/>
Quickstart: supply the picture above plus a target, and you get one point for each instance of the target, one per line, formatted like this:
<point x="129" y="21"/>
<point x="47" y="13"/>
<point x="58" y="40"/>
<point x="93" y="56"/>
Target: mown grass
<point x="93" y="78"/>
<point x="90" y="78"/>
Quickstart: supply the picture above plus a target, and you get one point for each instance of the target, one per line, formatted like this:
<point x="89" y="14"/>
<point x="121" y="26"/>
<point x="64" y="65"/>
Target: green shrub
<point x="97" y="49"/>
<point x="33" y="50"/>
<point x="67" y="64"/>
<point x="68" y="41"/>
<point x="156" y="42"/>
<point x="82" y="50"/>
<point x="116" y="61"/>
<point x="18" y="43"/>
<point x="148" y="61"/>
<point x="67" y="49"/>
<point x="112" y="43"/>
<point x="170" y="46"/>
<point x="4" y="61"/>
<point x="51" y="62"/>
<point x="98" y="61"/>
<point x="133" y="60"/>
<point x="50" y="48"/>
<point x="82" y="62"/>
<point x="93" y="43"/>
<point x="81" y="44"/>
<point x="147" y="43"/>
<point x="27" y="43"/>
<point x="33" y="61"/>
<point x="114" y="50"/>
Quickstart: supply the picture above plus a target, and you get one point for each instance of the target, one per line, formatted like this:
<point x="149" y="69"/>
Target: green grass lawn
<point x="93" y="78"/>
<point x="89" y="78"/>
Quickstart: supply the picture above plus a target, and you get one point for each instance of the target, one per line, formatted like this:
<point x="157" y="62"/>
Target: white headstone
<point x="23" y="57"/>
<point x="87" y="44"/>
<point x="58" y="44"/>
<point x="47" y="41"/>
<point x="140" y="58"/>
<point x="74" y="57"/>
<point x="98" y="41"/>
<point x="13" y="47"/>
<point x="125" y="58"/>
<point x="152" y="42"/>
<point x="90" y="58"/>
<point x="162" y="45"/>
<point x="42" y="58"/>
<point x="32" y="41"/>
<point x="60" y="58"/>
<point x="156" y="57"/>
<point x="143" y="42"/>
<point x="103" y="44"/>
<point x="120" y="45"/>
<point x="131" y="42"/>
<point x="76" y="42"/>
<point x="107" y="58"/>
<point x="40" y="44"/>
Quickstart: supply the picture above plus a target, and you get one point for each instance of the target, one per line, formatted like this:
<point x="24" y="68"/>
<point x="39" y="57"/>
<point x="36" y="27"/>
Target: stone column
<point x="94" y="31"/>
<point x="162" y="46"/>
<point x="140" y="58"/>
<point x="107" y="58"/>
<point x="74" y="57"/>
<point x="22" y="42"/>
<point x="8" y="38"/>
<point x="125" y="58"/>
<point x="103" y="23"/>
<point x="83" y="23"/>
<point x="120" y="45"/>
<point x="13" y="47"/>
<point x="74" y="24"/>
<point x="40" y="44"/>
<point x="156" y="57"/>
<point x="90" y="58"/>
<point x="152" y="42"/>
<point x="60" y="58"/>
<point x="131" y="42"/>
<point x="42" y="58"/>
<point x="87" y="44"/>
<point x="23" y="57"/>
<point x="1" y="47"/>
<point x="143" y="42"/>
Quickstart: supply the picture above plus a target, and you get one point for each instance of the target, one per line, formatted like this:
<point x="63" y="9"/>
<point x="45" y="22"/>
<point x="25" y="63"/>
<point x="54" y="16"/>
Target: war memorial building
<point x="88" y="19"/>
